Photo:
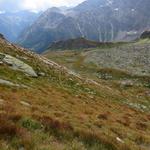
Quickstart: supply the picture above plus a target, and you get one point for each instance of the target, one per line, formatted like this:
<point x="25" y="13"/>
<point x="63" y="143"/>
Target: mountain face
<point x="100" y="20"/>
<point x="12" y="24"/>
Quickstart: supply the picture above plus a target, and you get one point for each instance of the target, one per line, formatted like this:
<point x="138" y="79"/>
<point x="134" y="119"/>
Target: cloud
<point x="16" y="5"/>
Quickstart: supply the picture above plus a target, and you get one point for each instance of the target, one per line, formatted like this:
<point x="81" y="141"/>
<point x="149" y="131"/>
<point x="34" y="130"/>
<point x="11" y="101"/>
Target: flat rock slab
<point x="25" y="103"/>
<point x="5" y="82"/>
<point x="17" y="64"/>
<point x="9" y="83"/>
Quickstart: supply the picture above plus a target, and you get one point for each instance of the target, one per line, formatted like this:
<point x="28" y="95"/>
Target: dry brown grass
<point x="61" y="106"/>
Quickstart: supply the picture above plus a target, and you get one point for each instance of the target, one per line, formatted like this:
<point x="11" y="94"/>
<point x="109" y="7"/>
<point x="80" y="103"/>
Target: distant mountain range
<point x="13" y="23"/>
<point x="99" y="20"/>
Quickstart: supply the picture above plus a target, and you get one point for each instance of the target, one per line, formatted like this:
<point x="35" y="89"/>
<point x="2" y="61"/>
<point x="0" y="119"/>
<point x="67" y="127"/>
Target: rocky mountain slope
<point x="100" y="20"/>
<point x="12" y="24"/>
<point x="44" y="105"/>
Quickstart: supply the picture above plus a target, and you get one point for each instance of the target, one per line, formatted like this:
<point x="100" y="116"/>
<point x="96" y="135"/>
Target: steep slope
<point x="58" y="109"/>
<point x="12" y="24"/>
<point x="100" y="20"/>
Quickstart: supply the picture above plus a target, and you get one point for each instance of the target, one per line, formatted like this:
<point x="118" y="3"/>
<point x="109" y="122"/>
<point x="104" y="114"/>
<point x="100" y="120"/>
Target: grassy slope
<point x="135" y="95"/>
<point x="64" y="112"/>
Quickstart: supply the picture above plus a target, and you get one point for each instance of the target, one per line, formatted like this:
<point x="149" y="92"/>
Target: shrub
<point x="30" y="124"/>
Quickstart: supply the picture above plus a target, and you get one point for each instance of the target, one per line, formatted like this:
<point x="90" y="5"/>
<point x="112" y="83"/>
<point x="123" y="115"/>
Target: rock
<point x="119" y="140"/>
<point x="5" y="82"/>
<point x="17" y="64"/>
<point x="25" y="103"/>
<point x="41" y="74"/>
<point x="137" y="106"/>
<point x="127" y="83"/>
<point x="9" y="83"/>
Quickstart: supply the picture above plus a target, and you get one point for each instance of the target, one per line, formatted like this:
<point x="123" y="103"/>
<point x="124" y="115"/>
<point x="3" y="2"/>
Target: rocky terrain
<point x="131" y="58"/>
<point x="99" y="20"/>
<point x="44" y="105"/>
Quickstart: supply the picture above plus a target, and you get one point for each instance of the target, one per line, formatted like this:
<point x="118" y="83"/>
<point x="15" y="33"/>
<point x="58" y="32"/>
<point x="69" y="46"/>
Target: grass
<point x="64" y="112"/>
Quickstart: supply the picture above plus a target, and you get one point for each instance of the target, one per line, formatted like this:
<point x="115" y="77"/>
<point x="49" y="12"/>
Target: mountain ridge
<point x="108" y="22"/>
<point x="13" y="23"/>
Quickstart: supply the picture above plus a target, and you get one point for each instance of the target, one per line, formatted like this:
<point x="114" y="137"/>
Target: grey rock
<point x="5" y="82"/>
<point x="41" y="74"/>
<point x="17" y="64"/>
<point x="9" y="83"/>
<point x="25" y="103"/>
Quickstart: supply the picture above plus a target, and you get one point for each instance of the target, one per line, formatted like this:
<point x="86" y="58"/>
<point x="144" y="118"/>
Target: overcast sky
<point x="16" y="5"/>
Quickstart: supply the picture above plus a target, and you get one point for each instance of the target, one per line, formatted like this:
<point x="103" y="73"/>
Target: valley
<point x="75" y="75"/>
<point x="60" y="109"/>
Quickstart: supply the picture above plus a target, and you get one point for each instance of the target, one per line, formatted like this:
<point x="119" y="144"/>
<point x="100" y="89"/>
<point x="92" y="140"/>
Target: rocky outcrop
<point x="17" y="64"/>
<point x="145" y="35"/>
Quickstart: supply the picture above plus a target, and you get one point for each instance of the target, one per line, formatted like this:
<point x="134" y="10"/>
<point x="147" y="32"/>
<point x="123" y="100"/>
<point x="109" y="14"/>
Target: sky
<point x="35" y="5"/>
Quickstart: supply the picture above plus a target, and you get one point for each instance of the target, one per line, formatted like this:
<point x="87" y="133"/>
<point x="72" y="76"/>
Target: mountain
<point x="99" y="20"/>
<point x="145" y="35"/>
<point x="44" y="105"/>
<point x="78" y="44"/>
<point x="13" y="23"/>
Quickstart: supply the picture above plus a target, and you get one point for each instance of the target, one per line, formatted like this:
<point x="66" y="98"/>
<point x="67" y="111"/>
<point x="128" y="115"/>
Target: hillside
<point x="131" y="57"/>
<point x="78" y="44"/>
<point x="98" y="20"/>
<point x="46" y="106"/>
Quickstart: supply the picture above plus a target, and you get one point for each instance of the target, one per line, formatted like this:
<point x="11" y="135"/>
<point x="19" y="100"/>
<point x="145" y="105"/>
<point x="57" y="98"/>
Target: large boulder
<point x="17" y="64"/>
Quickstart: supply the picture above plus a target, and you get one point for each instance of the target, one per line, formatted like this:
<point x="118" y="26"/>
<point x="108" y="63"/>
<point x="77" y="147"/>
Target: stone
<point x="25" y="103"/>
<point x="119" y="140"/>
<point x="41" y="74"/>
<point x="9" y="83"/>
<point x="127" y="83"/>
<point x="17" y="64"/>
<point x="5" y="82"/>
